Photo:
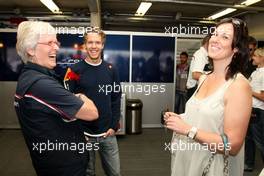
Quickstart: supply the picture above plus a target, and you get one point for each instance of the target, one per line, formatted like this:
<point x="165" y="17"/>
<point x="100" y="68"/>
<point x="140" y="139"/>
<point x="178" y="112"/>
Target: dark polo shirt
<point x="46" y="112"/>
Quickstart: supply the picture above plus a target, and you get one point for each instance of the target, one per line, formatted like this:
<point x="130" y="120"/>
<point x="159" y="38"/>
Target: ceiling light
<point x="143" y="8"/>
<point x="222" y="13"/>
<point x="249" y="2"/>
<point x="51" y="5"/>
<point x="205" y="21"/>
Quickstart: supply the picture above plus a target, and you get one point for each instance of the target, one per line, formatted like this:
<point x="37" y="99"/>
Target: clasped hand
<point x="175" y="122"/>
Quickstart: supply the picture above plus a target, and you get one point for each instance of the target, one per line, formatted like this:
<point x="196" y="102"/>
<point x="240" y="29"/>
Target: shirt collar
<point x="260" y="69"/>
<point x="39" y="68"/>
<point x="92" y="64"/>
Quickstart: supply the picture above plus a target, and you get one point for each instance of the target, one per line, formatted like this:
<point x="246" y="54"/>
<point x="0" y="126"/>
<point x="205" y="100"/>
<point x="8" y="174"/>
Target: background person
<point x="94" y="74"/>
<point x="220" y="105"/>
<point x="46" y="111"/>
<point x="181" y="79"/>
<point x="252" y="45"/>
<point x="197" y="66"/>
<point x="257" y="84"/>
<point x="250" y="147"/>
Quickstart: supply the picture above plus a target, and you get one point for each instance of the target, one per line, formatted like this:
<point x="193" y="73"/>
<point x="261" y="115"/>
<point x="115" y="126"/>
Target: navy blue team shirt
<point x="101" y="84"/>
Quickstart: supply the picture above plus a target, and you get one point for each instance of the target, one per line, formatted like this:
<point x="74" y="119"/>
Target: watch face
<point x="192" y="132"/>
<point x="190" y="135"/>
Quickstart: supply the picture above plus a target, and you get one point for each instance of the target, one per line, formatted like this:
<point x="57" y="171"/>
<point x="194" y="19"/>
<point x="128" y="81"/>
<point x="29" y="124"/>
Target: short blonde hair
<point x="95" y="30"/>
<point x="28" y="34"/>
<point x="259" y="52"/>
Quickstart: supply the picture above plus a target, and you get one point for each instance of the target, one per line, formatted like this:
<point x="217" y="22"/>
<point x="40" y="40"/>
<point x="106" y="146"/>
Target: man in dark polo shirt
<point x="46" y="111"/>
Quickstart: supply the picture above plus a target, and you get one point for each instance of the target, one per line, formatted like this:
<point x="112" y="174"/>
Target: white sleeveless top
<point x="189" y="158"/>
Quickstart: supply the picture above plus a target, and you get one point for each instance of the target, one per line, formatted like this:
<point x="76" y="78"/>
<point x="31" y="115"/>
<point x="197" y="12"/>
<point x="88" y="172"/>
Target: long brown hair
<point x="240" y="58"/>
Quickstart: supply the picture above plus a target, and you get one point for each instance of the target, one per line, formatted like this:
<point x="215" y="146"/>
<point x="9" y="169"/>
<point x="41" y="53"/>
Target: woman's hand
<point x="174" y="122"/>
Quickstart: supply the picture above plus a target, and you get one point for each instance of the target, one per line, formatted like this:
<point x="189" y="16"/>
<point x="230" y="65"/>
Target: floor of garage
<point x="140" y="155"/>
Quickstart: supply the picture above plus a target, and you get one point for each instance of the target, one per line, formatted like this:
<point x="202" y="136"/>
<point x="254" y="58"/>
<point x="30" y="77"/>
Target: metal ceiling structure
<point x="119" y="14"/>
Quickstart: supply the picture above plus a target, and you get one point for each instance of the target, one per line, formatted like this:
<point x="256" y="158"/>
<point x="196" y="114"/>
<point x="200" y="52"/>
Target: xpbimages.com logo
<point x="145" y="89"/>
<point x="194" y="146"/>
<point x="188" y="30"/>
<point x="81" y="31"/>
<point x="64" y="146"/>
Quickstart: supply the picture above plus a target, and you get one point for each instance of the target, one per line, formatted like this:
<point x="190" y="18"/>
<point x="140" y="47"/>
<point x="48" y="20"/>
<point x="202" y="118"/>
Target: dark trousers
<point x="180" y="101"/>
<point x="250" y="147"/>
<point x="254" y="137"/>
<point x="258" y="130"/>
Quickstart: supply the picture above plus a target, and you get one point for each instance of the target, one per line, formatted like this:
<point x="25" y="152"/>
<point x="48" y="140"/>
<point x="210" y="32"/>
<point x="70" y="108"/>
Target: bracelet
<point x="225" y="142"/>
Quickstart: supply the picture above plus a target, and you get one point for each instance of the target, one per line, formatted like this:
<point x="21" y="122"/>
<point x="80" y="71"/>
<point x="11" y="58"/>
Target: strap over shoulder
<point x="201" y="80"/>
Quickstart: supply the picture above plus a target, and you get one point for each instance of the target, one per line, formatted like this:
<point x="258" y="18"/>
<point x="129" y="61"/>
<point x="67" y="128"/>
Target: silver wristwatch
<point x="192" y="133"/>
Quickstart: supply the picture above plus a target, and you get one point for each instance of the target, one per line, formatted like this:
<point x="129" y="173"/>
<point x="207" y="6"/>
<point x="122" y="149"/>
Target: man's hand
<point x="109" y="132"/>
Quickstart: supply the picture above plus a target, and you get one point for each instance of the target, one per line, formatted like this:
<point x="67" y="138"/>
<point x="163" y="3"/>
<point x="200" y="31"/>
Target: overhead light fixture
<point x="143" y="8"/>
<point x="205" y="21"/>
<point x="51" y="5"/>
<point x="222" y="13"/>
<point x="249" y="2"/>
<point x="230" y="10"/>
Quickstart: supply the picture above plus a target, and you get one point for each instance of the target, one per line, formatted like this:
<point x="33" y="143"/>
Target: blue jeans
<point x="180" y="101"/>
<point x="109" y="154"/>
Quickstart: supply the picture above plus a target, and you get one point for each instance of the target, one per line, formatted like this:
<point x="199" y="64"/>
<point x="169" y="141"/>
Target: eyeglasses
<point x="51" y="43"/>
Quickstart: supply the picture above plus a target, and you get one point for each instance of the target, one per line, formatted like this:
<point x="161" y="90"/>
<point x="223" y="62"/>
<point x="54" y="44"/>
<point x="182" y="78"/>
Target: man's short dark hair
<point x="184" y="53"/>
<point x="252" y="40"/>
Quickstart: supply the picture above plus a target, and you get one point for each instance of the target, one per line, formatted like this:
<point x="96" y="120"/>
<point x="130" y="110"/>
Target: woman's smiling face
<point x="220" y="44"/>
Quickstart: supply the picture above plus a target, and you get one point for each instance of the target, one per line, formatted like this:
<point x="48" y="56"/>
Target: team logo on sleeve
<point x="70" y="77"/>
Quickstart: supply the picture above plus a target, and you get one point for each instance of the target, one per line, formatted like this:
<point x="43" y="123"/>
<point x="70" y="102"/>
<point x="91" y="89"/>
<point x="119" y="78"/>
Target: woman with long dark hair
<point x="216" y="118"/>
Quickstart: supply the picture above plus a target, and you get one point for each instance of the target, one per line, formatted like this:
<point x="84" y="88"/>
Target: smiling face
<point x="45" y="51"/>
<point x="220" y="44"/>
<point x="94" y="46"/>
<point x="258" y="57"/>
